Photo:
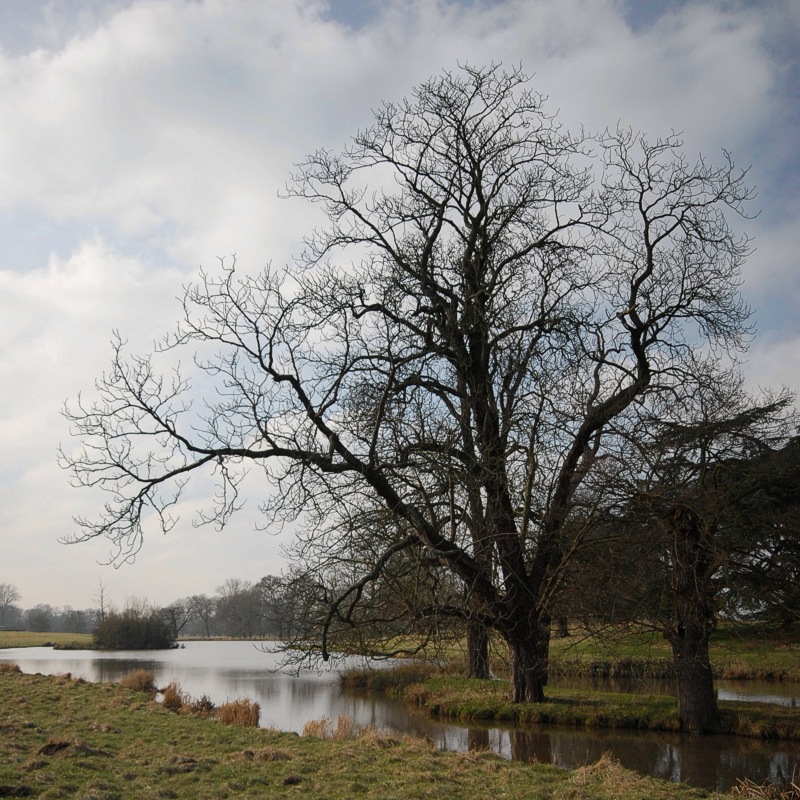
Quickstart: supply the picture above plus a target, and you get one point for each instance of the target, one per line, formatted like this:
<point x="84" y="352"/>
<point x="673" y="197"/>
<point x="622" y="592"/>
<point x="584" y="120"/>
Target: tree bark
<point x="529" y="665"/>
<point x="693" y="595"/>
<point x="478" y="651"/>
<point x="697" y="700"/>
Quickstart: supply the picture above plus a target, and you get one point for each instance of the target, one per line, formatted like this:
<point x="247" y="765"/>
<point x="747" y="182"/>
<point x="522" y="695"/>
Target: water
<point x="228" y="670"/>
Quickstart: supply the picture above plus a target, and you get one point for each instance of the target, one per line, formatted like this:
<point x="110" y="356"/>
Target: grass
<point x="139" y="680"/>
<point x="345" y="729"/>
<point x="785" y="790"/>
<point x="474" y="700"/>
<point x="76" y="641"/>
<point x="239" y="712"/>
<point x="736" y="651"/>
<point x="64" y="738"/>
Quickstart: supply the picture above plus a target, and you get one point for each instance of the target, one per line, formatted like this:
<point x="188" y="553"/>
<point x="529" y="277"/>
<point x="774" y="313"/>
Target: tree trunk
<point x="697" y="701"/>
<point x="529" y="660"/>
<point x="693" y="595"/>
<point x="478" y="650"/>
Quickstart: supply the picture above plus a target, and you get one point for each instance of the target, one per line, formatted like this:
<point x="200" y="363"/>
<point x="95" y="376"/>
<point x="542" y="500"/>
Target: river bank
<point x="467" y="700"/>
<point x="224" y="670"/>
<point x="64" y="737"/>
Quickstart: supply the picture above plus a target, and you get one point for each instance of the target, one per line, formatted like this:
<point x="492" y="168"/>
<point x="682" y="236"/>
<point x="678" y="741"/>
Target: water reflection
<point x="227" y="670"/>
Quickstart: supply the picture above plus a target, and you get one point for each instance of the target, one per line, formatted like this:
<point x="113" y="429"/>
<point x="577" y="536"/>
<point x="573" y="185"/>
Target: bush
<point x="7" y="667"/>
<point x="133" y="630"/>
<point x="345" y="730"/>
<point x="239" y="712"/>
<point x="173" y="697"/>
<point x="140" y="680"/>
<point x="201" y="706"/>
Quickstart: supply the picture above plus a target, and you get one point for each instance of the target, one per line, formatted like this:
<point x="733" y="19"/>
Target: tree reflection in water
<point x="227" y="670"/>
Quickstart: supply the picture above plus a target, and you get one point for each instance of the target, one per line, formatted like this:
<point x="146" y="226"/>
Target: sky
<point x="141" y="139"/>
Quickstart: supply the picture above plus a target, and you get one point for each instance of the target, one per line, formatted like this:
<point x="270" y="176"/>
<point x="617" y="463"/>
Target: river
<point x="228" y="670"/>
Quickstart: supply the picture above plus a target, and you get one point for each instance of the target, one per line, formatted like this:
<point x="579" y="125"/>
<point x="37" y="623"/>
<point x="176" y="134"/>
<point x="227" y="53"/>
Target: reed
<point x="140" y="680"/>
<point x="344" y="730"/>
<point x="784" y="790"/>
<point x="240" y="712"/>
<point x="173" y="697"/>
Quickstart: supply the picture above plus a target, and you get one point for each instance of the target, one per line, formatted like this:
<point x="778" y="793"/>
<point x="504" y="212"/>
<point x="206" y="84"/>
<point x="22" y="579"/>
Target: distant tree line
<point x="269" y="608"/>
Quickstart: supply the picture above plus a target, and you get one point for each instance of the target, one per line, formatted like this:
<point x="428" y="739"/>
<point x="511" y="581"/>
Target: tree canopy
<point x="457" y="351"/>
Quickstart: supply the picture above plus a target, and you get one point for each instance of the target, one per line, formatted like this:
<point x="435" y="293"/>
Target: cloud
<point x="144" y="138"/>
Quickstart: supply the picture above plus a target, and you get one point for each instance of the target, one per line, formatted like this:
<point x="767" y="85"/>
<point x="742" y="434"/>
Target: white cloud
<point x="155" y="135"/>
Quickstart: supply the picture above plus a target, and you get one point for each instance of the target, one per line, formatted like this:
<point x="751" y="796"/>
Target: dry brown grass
<point x="318" y="728"/>
<point x="786" y="790"/>
<point x="6" y="667"/>
<point x="140" y="680"/>
<point x="266" y="754"/>
<point x="344" y="730"/>
<point x="239" y="712"/>
<point x="198" y="706"/>
<point x="173" y="697"/>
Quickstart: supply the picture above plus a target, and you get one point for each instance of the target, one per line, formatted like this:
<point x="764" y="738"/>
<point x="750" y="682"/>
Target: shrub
<point x="346" y="729"/>
<point x="239" y="712"/>
<point x="201" y="706"/>
<point x="6" y="667"/>
<point x="173" y="698"/>
<point x="140" y="680"/>
<point x="133" y="629"/>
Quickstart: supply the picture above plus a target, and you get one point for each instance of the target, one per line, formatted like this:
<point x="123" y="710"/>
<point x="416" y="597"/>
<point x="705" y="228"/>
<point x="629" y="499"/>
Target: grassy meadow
<point x="34" y="639"/>
<point x="65" y="738"/>
<point x="738" y="652"/>
<point x="472" y="700"/>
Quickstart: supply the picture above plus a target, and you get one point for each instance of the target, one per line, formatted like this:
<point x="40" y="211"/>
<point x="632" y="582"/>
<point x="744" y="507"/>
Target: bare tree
<point x="203" y="608"/>
<point x="178" y="615"/>
<point x="238" y="608"/>
<point x="100" y="598"/>
<point x="507" y="292"/>
<point x="39" y="618"/>
<point x="8" y="597"/>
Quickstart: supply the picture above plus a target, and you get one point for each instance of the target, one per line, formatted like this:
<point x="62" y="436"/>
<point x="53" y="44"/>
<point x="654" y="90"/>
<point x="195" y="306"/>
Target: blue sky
<point x="143" y="138"/>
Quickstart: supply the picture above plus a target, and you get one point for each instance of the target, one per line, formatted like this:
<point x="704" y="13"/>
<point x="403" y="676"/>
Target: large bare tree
<point x="490" y="293"/>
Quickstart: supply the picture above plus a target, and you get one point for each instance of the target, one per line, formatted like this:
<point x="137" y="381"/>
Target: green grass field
<point x="31" y="639"/>
<point x="738" y="652"/>
<point x="749" y="651"/>
<point x="64" y="738"/>
<point x="472" y="700"/>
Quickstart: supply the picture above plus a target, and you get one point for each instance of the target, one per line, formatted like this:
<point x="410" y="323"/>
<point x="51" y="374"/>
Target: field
<point x="32" y="639"/>
<point x="67" y="738"/>
<point x="737" y="652"/>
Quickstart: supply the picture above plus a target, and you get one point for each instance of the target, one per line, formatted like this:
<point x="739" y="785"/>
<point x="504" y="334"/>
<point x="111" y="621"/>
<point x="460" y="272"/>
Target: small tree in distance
<point x="491" y="299"/>
<point x="8" y="597"/>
